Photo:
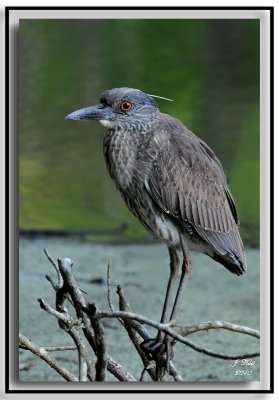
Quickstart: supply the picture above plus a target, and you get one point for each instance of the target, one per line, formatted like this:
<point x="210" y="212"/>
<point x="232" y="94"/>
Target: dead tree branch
<point x="70" y="290"/>
<point x="88" y="320"/>
<point x="134" y="336"/>
<point x="42" y="353"/>
<point x="101" y="349"/>
<point x="166" y="328"/>
<point x="205" y="326"/>
<point x="60" y="348"/>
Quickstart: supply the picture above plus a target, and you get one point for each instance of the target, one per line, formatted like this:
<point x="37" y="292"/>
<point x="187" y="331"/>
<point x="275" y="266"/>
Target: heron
<point x="173" y="182"/>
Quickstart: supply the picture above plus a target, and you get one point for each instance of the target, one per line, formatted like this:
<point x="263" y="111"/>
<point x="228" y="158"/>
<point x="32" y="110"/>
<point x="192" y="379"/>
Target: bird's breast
<point x="120" y="154"/>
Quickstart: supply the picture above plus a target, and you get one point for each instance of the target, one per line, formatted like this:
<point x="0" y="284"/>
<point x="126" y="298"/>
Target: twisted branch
<point x="205" y="326"/>
<point x="166" y="328"/>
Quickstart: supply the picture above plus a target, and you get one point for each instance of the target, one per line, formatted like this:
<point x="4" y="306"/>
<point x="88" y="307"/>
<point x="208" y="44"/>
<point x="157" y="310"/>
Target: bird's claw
<point x="153" y="347"/>
<point x="159" y="350"/>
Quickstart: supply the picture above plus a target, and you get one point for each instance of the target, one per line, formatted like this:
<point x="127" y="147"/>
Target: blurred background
<point x="209" y="67"/>
<point x="211" y="70"/>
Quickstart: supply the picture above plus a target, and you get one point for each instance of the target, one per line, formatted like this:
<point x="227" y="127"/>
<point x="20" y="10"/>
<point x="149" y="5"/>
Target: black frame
<point x="8" y="200"/>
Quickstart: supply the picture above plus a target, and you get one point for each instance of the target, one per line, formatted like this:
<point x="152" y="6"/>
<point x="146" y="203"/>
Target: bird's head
<point x="121" y="108"/>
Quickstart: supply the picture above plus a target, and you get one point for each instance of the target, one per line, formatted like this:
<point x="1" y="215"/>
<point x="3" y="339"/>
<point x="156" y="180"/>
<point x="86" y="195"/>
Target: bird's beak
<point x="97" y="112"/>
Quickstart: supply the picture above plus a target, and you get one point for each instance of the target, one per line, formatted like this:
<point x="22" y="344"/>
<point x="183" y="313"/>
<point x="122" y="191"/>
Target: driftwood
<point x="86" y="329"/>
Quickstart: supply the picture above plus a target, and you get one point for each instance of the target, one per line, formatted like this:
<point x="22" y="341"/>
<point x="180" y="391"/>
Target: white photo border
<point x="265" y="14"/>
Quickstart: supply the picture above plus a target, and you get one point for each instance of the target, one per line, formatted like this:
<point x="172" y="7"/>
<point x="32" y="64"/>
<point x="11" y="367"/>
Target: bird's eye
<point x="125" y="106"/>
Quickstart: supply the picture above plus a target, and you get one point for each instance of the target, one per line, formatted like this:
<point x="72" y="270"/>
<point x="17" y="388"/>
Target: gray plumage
<point x="169" y="178"/>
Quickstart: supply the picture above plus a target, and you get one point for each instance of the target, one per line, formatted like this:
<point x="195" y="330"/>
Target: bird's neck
<point x="120" y="156"/>
<point x="142" y="124"/>
<point x="122" y="149"/>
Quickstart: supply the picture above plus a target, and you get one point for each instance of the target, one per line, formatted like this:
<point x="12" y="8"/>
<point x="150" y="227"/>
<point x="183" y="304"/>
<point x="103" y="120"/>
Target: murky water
<point x="142" y="270"/>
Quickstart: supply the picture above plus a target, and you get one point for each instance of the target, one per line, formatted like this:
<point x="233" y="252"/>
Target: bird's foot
<point x="153" y="347"/>
<point x="160" y="350"/>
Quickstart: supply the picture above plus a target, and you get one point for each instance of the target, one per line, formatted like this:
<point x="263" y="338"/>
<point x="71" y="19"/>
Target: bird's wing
<point x="188" y="182"/>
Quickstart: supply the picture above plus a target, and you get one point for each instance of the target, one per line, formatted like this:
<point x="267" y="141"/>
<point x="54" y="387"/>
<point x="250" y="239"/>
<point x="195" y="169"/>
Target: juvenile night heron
<point x="171" y="181"/>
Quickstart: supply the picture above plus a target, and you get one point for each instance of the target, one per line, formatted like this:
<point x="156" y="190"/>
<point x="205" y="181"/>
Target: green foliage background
<point x="209" y="67"/>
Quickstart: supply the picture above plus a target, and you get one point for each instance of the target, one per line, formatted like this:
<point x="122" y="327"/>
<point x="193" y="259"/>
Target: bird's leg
<point x="185" y="273"/>
<point x="174" y="267"/>
<point x="161" y="349"/>
<point x="156" y="345"/>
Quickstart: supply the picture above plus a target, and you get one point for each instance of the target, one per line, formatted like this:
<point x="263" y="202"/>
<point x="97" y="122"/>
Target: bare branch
<point x="65" y="266"/>
<point x="109" y="295"/>
<point x="174" y="372"/>
<point x="42" y="353"/>
<point x="119" y="372"/>
<point x="63" y="316"/>
<point x="134" y="335"/>
<point x="140" y="328"/>
<point x="60" y="280"/>
<point x="142" y="374"/>
<point x="123" y="301"/>
<point x="108" y="284"/>
<point x="101" y="364"/>
<point x="59" y="348"/>
<point x="70" y="326"/>
<point x="166" y="328"/>
<point x="52" y="281"/>
<point x="205" y="326"/>
<point x="82" y="357"/>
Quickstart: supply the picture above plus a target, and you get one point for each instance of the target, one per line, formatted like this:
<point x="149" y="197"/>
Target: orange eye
<point x="125" y="106"/>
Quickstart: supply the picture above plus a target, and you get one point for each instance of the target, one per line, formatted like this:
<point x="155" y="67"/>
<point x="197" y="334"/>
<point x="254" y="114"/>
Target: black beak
<point x="97" y="112"/>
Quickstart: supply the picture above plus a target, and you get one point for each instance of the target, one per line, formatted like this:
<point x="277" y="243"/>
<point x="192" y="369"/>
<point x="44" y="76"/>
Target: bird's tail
<point x="228" y="249"/>
<point x="232" y="263"/>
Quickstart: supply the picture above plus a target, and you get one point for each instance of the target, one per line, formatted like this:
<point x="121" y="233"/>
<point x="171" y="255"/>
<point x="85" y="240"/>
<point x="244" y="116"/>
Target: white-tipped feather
<point x="159" y="97"/>
<point x="106" y="123"/>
